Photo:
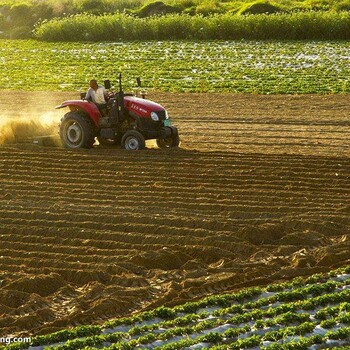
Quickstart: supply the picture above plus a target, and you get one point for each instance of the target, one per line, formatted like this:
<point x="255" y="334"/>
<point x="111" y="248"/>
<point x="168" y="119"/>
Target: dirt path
<point x="258" y="192"/>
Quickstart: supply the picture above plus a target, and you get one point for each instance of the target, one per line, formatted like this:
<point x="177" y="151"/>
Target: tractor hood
<point x="141" y="106"/>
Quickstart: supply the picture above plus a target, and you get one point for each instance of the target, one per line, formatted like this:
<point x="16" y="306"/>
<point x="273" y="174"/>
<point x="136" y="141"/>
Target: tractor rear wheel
<point x="171" y="141"/>
<point x="133" y="140"/>
<point x="76" y="131"/>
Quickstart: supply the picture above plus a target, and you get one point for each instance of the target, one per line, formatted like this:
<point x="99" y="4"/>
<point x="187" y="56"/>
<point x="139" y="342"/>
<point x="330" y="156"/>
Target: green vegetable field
<point x="261" y="67"/>
<point x="306" y="313"/>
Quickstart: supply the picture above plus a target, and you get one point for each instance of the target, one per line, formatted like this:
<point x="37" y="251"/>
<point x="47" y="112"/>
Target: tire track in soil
<point x="258" y="192"/>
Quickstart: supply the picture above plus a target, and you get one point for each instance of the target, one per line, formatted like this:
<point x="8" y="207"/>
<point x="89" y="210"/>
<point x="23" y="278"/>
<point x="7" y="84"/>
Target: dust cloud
<point x="25" y="117"/>
<point x="17" y="130"/>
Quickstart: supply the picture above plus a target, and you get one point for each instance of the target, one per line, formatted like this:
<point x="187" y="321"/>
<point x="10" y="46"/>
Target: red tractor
<point x="129" y="120"/>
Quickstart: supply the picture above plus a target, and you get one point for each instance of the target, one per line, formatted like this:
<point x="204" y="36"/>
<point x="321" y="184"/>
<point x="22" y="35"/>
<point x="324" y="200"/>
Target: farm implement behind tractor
<point x="129" y="120"/>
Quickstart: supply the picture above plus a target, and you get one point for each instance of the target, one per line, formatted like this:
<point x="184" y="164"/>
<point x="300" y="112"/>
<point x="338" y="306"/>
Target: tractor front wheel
<point x="171" y="141"/>
<point x="133" y="140"/>
<point x="76" y="131"/>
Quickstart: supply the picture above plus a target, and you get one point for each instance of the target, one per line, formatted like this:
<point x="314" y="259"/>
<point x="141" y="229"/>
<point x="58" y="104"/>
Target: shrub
<point x="91" y="6"/>
<point x="342" y="6"/>
<point x="155" y="8"/>
<point x="260" y="7"/>
<point x="20" y="32"/>
<point x="295" y="26"/>
<point x="317" y="5"/>
<point x="164" y="312"/>
<point x="20" y="11"/>
<point x="41" y="11"/>
<point x="209" y="7"/>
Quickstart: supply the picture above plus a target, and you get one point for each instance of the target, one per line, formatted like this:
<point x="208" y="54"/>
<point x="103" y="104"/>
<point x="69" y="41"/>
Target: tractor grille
<point x="161" y="115"/>
<point x="150" y="127"/>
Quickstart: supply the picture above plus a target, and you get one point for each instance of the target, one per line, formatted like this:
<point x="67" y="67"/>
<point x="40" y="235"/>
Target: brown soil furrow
<point x="71" y="257"/>
<point x="159" y="222"/>
<point x="178" y="235"/>
<point x="261" y="164"/>
<point x="272" y="133"/>
<point x="161" y="187"/>
<point x="230" y="199"/>
<point x="270" y="118"/>
<point x="30" y="267"/>
<point x="60" y="156"/>
<point x="158" y="225"/>
<point x="132" y="232"/>
<point x="273" y="142"/>
<point x="46" y="261"/>
<point x="126" y="168"/>
<point x="228" y="173"/>
<point x="295" y="193"/>
<point x="118" y="167"/>
<point x="266" y="124"/>
<point x="219" y="212"/>
<point x="198" y="202"/>
<point x="210" y="196"/>
<point x="115" y="249"/>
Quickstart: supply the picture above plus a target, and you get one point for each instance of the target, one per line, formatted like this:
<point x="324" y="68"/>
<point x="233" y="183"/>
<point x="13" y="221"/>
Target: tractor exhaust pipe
<point x="143" y="92"/>
<point x="120" y="83"/>
<point x="120" y="99"/>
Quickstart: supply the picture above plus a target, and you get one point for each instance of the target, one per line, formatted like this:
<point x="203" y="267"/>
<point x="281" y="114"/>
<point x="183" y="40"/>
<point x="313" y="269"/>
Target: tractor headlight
<point x="154" y="116"/>
<point x="166" y="115"/>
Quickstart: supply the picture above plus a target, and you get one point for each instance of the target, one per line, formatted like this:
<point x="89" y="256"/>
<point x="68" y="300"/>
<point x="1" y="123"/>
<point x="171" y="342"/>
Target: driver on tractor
<point x="96" y="94"/>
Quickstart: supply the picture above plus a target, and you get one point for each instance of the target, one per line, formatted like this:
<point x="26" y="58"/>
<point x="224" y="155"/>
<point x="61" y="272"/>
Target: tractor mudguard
<point x="168" y="131"/>
<point x="88" y="107"/>
<point x="173" y="130"/>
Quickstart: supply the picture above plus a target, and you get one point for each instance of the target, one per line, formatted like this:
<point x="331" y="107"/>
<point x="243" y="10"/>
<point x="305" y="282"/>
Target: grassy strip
<point x="294" y="26"/>
<point x="17" y="17"/>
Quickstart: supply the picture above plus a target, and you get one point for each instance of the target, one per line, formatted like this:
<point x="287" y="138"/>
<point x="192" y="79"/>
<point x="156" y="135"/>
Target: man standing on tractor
<point x="96" y="94"/>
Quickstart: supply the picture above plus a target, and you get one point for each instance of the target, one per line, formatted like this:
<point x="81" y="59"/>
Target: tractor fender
<point x="169" y="131"/>
<point x="173" y="130"/>
<point x="88" y="107"/>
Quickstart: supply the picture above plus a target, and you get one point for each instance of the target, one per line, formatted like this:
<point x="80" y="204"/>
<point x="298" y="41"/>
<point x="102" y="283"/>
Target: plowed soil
<point x="258" y="192"/>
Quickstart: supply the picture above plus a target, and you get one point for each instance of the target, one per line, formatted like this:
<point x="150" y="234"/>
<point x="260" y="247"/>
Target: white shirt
<point x="97" y="96"/>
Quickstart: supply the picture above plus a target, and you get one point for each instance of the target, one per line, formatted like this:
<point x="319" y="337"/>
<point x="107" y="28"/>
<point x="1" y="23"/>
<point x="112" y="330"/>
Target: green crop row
<point x="250" y="341"/>
<point x="248" y="306"/>
<point x="121" y="27"/>
<point x="332" y="311"/>
<point x="217" y="66"/>
<point x="278" y="317"/>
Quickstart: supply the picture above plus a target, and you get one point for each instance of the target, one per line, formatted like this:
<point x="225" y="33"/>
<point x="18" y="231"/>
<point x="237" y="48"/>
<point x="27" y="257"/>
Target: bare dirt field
<point x="258" y="192"/>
